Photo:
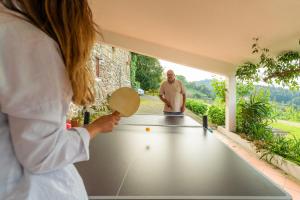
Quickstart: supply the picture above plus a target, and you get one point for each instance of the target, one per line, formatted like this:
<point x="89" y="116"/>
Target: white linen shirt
<point x="37" y="152"/>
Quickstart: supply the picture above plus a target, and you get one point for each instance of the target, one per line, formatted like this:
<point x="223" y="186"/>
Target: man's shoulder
<point x="163" y="83"/>
<point x="178" y="82"/>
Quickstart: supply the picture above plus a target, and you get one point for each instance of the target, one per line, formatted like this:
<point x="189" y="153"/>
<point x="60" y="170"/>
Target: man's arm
<point x="161" y="96"/>
<point x="163" y="99"/>
<point x="183" y="92"/>
<point x="183" y="102"/>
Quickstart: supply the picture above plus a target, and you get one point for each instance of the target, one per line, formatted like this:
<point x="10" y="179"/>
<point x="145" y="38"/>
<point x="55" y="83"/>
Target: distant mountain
<point x="283" y="96"/>
<point x="206" y="82"/>
<point x="198" y="89"/>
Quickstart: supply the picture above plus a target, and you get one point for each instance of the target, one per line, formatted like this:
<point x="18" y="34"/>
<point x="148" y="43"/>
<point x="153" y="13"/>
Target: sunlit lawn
<point x="293" y="130"/>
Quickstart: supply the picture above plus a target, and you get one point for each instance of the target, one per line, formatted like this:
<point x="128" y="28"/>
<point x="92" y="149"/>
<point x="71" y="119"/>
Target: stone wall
<point x="114" y="70"/>
<point x="111" y="68"/>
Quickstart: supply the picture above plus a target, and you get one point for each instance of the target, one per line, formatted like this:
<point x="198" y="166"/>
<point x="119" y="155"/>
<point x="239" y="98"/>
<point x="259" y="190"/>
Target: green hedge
<point x="216" y="114"/>
<point x="153" y="92"/>
<point x="196" y="106"/>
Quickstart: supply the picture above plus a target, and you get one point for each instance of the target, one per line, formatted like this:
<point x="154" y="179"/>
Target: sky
<point x="191" y="74"/>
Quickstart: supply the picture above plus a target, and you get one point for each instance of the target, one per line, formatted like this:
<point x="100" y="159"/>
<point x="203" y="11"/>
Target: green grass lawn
<point x="293" y="130"/>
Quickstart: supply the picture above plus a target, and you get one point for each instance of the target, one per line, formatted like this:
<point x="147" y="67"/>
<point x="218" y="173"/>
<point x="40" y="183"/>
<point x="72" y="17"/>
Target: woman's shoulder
<point x="17" y="28"/>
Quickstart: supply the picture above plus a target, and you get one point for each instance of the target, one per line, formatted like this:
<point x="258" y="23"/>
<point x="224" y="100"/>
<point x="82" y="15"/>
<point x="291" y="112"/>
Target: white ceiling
<point x="213" y="35"/>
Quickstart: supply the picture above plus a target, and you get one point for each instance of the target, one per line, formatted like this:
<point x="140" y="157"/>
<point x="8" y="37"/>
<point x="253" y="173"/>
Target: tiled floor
<point x="288" y="183"/>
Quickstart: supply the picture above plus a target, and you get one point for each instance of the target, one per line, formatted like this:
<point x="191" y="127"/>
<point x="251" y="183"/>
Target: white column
<point x="230" y="110"/>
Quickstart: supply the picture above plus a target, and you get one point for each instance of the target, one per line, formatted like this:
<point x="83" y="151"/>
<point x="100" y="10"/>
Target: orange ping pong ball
<point x="147" y="129"/>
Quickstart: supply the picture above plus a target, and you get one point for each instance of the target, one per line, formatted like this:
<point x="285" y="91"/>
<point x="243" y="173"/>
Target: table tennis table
<point x="176" y="159"/>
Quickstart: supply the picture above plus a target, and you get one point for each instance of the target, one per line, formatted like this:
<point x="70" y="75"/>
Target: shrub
<point x="253" y="119"/>
<point x="288" y="148"/>
<point x="196" y="106"/>
<point x="152" y="92"/>
<point x="255" y="115"/>
<point x="216" y="114"/>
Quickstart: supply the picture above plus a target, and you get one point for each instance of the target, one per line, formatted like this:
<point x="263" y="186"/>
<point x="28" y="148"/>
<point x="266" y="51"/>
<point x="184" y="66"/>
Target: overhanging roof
<point x="212" y="35"/>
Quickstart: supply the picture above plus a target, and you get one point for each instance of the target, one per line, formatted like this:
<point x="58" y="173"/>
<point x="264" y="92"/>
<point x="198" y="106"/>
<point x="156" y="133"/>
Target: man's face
<point x="170" y="76"/>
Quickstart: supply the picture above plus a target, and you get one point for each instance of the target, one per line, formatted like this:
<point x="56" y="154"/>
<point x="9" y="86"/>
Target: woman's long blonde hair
<point x="70" y="24"/>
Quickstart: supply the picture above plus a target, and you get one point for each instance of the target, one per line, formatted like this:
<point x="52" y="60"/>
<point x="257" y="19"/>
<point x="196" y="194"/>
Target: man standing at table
<point x="172" y="93"/>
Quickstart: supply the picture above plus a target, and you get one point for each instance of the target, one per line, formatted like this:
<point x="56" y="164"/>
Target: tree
<point x="283" y="69"/>
<point x="133" y="63"/>
<point x="148" y="71"/>
<point x="242" y="90"/>
<point x="296" y="101"/>
<point x="182" y="79"/>
<point x="195" y="89"/>
<point x="219" y="89"/>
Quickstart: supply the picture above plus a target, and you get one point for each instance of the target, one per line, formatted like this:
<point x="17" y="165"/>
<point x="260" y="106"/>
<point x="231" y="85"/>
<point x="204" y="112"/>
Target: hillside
<point x="203" y="89"/>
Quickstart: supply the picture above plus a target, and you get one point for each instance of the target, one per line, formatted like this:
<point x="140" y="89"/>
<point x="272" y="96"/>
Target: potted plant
<point x="76" y="120"/>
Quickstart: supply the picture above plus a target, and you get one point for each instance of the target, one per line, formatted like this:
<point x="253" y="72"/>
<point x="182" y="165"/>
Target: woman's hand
<point x="103" y="124"/>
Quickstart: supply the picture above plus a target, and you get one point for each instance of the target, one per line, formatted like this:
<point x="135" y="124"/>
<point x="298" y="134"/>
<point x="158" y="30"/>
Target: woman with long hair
<point x="44" y="49"/>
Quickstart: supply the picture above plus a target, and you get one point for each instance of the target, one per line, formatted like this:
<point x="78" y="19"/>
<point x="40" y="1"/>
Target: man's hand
<point x="182" y="109"/>
<point x="165" y="101"/>
<point x="168" y="104"/>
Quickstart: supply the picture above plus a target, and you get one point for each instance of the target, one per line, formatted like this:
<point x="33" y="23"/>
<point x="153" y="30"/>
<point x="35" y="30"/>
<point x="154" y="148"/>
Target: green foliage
<point x="283" y="96"/>
<point x="196" y="89"/>
<point x="286" y="112"/>
<point x="296" y="101"/>
<point x="99" y="110"/>
<point x="219" y="89"/>
<point x="292" y="129"/>
<point x="196" y="106"/>
<point x="182" y="79"/>
<point x="133" y="63"/>
<point x="258" y="108"/>
<point x="291" y="113"/>
<point x="216" y="114"/>
<point x="248" y="72"/>
<point x="254" y="114"/>
<point x="242" y="89"/>
<point x="78" y="115"/>
<point x="152" y="92"/>
<point x="283" y="69"/>
<point x="204" y="90"/>
<point x="288" y="148"/>
<point x="286" y="103"/>
<point x="148" y="71"/>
